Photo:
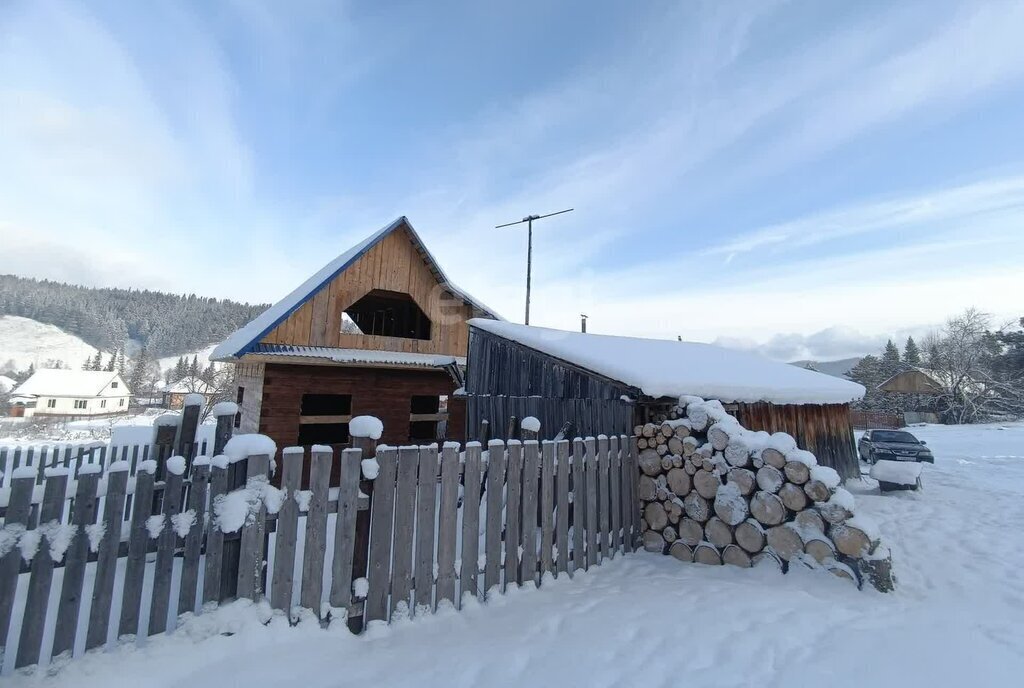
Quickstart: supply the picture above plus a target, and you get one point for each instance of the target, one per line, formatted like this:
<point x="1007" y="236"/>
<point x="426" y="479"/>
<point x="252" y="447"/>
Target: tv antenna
<point x="529" y="248"/>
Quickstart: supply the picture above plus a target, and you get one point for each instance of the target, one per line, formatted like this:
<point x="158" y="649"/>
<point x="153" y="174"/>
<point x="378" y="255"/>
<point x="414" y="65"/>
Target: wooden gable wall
<point x="392" y="264"/>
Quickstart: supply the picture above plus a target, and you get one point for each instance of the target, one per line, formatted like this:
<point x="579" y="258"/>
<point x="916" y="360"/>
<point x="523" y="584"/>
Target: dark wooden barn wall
<point x="825" y="430"/>
<point x="505" y="378"/>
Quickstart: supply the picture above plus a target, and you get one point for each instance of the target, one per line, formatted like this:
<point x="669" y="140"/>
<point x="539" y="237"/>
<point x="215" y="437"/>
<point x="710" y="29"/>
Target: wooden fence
<point x="865" y="420"/>
<point x="403" y="542"/>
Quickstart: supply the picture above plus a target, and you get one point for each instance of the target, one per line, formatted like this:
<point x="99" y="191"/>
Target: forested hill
<point x="166" y="324"/>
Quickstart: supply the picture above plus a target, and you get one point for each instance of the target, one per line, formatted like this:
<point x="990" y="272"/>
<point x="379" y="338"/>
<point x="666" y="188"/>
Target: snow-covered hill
<point x="25" y="342"/>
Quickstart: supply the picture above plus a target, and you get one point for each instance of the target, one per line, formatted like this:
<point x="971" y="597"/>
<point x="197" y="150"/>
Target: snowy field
<point x="955" y="619"/>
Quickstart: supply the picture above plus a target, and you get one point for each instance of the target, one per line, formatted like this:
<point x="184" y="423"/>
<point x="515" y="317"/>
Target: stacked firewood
<point x="713" y="492"/>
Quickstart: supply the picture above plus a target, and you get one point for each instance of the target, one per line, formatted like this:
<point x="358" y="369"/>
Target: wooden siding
<point x="825" y="430"/>
<point x="393" y="264"/>
<point x="505" y="379"/>
<point x="501" y="366"/>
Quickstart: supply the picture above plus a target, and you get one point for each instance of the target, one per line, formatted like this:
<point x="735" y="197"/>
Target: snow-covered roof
<point x="358" y="356"/>
<point x="51" y="382"/>
<point x="665" y="368"/>
<point x="243" y="340"/>
<point x="6" y="384"/>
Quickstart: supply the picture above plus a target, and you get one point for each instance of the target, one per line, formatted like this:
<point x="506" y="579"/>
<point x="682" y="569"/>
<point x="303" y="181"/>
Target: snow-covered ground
<point x="954" y="620"/>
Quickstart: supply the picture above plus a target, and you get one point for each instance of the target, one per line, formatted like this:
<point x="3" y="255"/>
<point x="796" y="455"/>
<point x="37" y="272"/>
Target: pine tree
<point x="870" y="373"/>
<point x="891" y="358"/>
<point x="180" y="369"/>
<point x="112" y="363"/>
<point x="911" y="354"/>
<point x="121" y="365"/>
<point x="97" y="361"/>
<point x="139" y="371"/>
<point x="193" y="368"/>
<point x="88" y="363"/>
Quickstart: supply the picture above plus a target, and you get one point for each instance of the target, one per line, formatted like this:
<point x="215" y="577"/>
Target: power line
<point x="529" y="248"/>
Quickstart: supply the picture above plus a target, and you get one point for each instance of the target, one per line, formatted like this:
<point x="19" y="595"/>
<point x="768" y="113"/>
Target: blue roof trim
<point x="344" y="266"/>
<point x="246" y="339"/>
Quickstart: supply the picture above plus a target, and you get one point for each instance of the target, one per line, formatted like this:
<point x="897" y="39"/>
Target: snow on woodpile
<point x="726" y="495"/>
<point x="664" y="368"/>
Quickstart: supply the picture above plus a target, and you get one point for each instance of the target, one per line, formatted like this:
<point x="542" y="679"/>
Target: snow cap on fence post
<point x="366" y="426"/>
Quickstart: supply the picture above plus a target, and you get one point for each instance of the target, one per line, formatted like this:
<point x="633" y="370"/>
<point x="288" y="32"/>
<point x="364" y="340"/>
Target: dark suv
<point x="892" y="445"/>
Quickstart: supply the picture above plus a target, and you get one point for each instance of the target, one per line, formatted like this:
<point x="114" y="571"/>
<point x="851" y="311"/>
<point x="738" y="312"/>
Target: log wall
<point x="381" y="392"/>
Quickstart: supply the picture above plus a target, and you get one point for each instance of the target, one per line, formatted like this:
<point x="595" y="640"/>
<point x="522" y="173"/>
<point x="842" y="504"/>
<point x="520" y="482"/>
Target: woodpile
<point x="715" y="493"/>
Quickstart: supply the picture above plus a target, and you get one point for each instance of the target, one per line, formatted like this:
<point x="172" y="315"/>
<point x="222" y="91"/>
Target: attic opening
<point x="389" y="314"/>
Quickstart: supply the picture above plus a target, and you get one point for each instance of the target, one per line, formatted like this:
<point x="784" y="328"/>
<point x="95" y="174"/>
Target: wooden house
<point x="380" y="331"/>
<point x="70" y="394"/>
<point x="606" y="384"/>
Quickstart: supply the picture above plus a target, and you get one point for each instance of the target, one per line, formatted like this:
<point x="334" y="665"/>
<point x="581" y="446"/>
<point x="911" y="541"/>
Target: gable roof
<point x="246" y="338"/>
<point x="666" y="368"/>
<point x="51" y="382"/>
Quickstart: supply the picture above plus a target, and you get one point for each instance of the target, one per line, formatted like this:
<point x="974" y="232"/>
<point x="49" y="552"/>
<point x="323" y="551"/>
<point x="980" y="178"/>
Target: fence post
<point x="547" y="508"/>
<point x="591" y="496"/>
<point x="187" y="433"/>
<point x="165" y="546"/>
<point x="135" y="566"/>
<point x="426" y="507"/>
<point x="215" y="536"/>
<point x="470" y="522"/>
<point x="287" y="530"/>
<point x="194" y="537"/>
<point x="251" y="553"/>
<point x="405" y="525"/>
<point x="18" y="509"/>
<point x="74" y="564"/>
<point x="42" y="572"/>
<point x="513" y="512"/>
<point x="562" y="505"/>
<point x="579" y="517"/>
<point x="106" y="560"/>
<point x="231" y="544"/>
<point x="345" y="530"/>
<point x="495" y="499"/>
<point x="615" y="494"/>
<point x="531" y="462"/>
<point x="447" y="522"/>
<point x="361" y="546"/>
<point x="382" y="514"/>
<point x="225" y="427"/>
<point x="311" y="593"/>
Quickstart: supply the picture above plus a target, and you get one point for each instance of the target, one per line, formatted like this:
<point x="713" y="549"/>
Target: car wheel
<point x="871" y="458"/>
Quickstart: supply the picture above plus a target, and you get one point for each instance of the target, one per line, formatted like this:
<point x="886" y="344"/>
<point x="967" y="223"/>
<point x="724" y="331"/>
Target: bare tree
<point x="961" y="360"/>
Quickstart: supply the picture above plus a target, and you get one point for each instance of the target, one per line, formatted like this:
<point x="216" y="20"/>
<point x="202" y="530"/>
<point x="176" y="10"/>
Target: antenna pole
<point x="529" y="263"/>
<point x="529" y="249"/>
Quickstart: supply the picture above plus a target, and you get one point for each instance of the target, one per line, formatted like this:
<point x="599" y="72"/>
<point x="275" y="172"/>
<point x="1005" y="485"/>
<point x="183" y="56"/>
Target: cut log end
<point x="705" y="553"/>
<point x="735" y="556"/>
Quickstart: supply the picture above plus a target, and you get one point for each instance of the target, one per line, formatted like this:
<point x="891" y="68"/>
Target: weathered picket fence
<point x="395" y="537"/>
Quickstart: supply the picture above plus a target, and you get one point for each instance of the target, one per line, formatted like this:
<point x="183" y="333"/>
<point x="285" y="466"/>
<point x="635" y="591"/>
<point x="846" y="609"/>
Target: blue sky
<point x="804" y="178"/>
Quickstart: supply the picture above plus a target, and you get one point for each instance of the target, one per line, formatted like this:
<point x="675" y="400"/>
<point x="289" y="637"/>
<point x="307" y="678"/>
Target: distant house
<point x="913" y="381"/>
<point x="70" y="393"/>
<point x="174" y="394"/>
<point x="7" y="384"/>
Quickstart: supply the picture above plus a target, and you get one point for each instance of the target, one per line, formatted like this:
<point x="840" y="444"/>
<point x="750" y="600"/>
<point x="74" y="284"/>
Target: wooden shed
<point x="607" y="384"/>
<point x="380" y="330"/>
<point x="913" y="381"/>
